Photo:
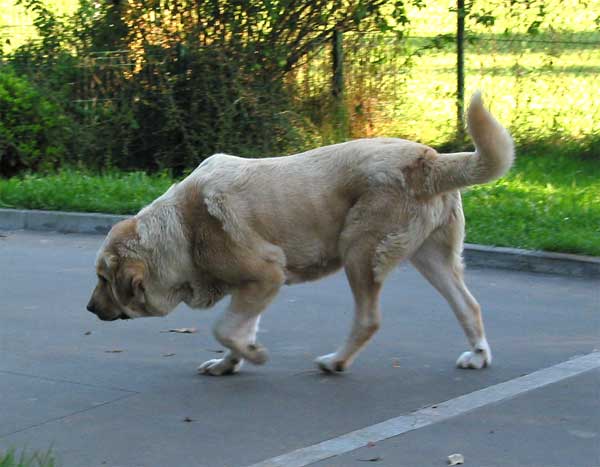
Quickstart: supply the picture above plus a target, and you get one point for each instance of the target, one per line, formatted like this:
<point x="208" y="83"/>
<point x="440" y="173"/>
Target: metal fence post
<point x="460" y="70"/>
<point x="337" y="85"/>
<point x="337" y="65"/>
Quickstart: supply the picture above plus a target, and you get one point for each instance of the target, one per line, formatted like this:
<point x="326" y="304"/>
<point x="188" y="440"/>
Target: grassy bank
<point x="547" y="202"/>
<point x="72" y="190"/>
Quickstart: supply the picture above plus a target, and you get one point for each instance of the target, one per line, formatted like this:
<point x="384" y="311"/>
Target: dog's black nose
<point x="90" y="307"/>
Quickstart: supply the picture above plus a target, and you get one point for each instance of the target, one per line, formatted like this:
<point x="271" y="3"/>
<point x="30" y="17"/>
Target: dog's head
<point x="126" y="287"/>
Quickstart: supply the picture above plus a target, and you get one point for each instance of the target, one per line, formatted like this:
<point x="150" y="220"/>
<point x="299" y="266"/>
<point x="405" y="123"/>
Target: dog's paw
<point x="478" y="358"/>
<point x="330" y="364"/>
<point x="220" y="367"/>
<point x="256" y="354"/>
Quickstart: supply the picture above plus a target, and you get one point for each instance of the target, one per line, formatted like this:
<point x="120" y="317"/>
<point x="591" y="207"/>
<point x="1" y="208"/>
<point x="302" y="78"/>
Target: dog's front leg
<point x="229" y="364"/>
<point x="236" y="329"/>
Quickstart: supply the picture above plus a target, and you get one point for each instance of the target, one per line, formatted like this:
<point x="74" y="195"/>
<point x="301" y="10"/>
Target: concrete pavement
<point x="126" y="394"/>
<point x="554" y="426"/>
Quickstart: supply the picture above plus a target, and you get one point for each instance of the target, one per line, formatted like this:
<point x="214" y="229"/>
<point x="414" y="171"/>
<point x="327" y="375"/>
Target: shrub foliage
<point x="31" y="127"/>
<point x="193" y="77"/>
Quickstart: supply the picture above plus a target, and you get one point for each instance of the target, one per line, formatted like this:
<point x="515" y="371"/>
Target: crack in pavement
<point x="59" y="380"/>
<point x="63" y="417"/>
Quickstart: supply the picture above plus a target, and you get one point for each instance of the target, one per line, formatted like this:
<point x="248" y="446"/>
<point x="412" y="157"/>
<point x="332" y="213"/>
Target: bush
<point x="148" y="87"/>
<point x="31" y="127"/>
<point x="158" y="112"/>
<point x="185" y="112"/>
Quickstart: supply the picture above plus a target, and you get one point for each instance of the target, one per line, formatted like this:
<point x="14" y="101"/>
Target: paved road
<point x="61" y="386"/>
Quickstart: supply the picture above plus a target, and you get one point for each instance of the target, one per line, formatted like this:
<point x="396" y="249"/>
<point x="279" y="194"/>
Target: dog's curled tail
<point x="493" y="156"/>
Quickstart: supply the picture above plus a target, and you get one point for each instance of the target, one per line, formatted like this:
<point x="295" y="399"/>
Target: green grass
<point x="16" y="23"/>
<point x="37" y="459"/>
<point x="73" y="190"/>
<point x="548" y="201"/>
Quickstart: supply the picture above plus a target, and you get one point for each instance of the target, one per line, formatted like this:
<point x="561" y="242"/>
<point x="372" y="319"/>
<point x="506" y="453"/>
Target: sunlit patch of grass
<point x="547" y="203"/>
<point x="16" y="23"/>
<point x="74" y="190"/>
<point x="534" y="92"/>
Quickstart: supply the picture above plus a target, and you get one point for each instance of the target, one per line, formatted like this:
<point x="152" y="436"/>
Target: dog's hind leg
<point x="439" y="260"/>
<point x="366" y="290"/>
<point x="374" y="239"/>
<point x="236" y="328"/>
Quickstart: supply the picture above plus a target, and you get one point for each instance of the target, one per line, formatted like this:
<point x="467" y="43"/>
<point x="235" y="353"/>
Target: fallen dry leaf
<point x="168" y="354"/>
<point x="87" y="333"/>
<point x="456" y="459"/>
<point x="396" y="363"/>
<point x="188" y="419"/>
<point x="372" y="459"/>
<point x="114" y="351"/>
<point x="183" y="330"/>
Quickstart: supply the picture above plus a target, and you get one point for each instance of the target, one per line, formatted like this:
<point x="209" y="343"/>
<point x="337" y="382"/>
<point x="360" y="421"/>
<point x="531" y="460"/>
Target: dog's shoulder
<point x="217" y="166"/>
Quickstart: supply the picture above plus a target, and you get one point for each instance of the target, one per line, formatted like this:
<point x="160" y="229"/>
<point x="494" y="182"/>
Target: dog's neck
<point x="162" y="235"/>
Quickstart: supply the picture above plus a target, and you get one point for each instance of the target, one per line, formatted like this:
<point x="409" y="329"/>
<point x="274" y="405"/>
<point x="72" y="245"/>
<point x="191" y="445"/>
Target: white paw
<point x="256" y="354"/>
<point x="220" y="366"/>
<point x="476" y="359"/>
<point x="330" y="364"/>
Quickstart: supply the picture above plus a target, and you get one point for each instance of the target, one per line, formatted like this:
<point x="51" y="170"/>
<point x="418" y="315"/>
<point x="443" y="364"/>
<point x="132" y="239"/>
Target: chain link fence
<point x="539" y="86"/>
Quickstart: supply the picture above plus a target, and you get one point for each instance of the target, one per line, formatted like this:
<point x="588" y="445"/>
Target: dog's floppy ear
<point x="107" y="265"/>
<point x="130" y="282"/>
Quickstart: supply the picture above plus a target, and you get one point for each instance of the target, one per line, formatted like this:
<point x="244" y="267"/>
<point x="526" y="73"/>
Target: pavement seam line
<point x="434" y="414"/>
<point x="62" y="417"/>
<point x="66" y="381"/>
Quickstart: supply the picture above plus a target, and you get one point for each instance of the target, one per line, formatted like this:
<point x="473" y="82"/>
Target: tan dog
<point x="245" y="227"/>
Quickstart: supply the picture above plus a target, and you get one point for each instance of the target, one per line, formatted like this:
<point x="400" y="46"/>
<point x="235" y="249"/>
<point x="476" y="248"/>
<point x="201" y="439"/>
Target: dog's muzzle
<point x="92" y="309"/>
